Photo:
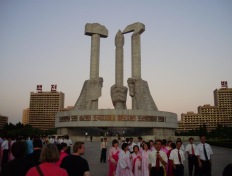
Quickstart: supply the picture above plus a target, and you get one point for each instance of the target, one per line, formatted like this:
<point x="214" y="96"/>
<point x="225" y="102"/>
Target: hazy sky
<point x="186" y="49"/>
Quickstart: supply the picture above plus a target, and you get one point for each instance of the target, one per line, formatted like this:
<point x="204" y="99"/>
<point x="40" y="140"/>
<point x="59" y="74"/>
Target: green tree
<point x="203" y="130"/>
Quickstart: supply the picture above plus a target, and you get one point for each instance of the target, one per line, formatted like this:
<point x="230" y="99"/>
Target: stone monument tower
<point x="118" y="91"/>
<point x="144" y="117"/>
<point x="91" y="90"/>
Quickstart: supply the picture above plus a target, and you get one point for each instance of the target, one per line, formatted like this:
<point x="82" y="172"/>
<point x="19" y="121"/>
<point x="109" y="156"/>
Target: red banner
<point x="53" y="87"/>
<point x="39" y="88"/>
<point x="224" y="84"/>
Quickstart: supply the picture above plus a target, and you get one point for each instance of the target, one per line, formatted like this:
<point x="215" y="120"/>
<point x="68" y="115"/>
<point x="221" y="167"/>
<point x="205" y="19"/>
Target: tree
<point x="21" y="130"/>
<point x="203" y="130"/>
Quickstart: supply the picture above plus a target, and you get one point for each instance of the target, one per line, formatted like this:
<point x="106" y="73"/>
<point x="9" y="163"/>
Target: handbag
<point x="39" y="171"/>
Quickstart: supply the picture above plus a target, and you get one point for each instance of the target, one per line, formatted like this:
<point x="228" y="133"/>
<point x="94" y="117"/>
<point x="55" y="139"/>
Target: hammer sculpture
<point x="95" y="30"/>
<point x="91" y="89"/>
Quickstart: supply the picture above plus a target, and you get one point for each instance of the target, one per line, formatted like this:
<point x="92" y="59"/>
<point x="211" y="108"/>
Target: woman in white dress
<point x="136" y="161"/>
<point x="144" y="155"/>
<point x="124" y="167"/>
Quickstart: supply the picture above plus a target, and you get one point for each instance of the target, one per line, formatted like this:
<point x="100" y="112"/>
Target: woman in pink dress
<point x="144" y="155"/>
<point x="63" y="152"/>
<point x="113" y="157"/>
<point x="124" y="167"/>
<point x="136" y="161"/>
<point x="169" y="171"/>
<point x="11" y="141"/>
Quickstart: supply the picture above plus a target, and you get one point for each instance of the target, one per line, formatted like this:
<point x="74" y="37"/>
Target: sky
<point x="186" y="50"/>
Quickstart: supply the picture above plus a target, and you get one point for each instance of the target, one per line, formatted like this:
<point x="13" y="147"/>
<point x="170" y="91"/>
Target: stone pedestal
<point x="63" y="131"/>
<point x="163" y="132"/>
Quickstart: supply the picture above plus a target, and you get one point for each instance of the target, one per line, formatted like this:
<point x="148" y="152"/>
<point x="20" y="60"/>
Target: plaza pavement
<point x="221" y="158"/>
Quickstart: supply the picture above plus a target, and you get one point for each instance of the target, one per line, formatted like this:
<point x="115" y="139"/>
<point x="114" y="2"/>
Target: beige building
<point x="43" y="107"/>
<point x="211" y="116"/>
<point x="3" y="121"/>
<point x="25" y="117"/>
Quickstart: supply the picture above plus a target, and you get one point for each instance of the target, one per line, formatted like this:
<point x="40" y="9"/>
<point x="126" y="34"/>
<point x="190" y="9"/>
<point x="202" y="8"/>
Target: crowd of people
<point x="52" y="157"/>
<point x="36" y="156"/>
<point x="160" y="158"/>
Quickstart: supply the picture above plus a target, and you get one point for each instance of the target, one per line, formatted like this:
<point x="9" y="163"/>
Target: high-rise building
<point x="3" y="121"/>
<point x="211" y="116"/>
<point x="25" y="117"/>
<point x="43" y="107"/>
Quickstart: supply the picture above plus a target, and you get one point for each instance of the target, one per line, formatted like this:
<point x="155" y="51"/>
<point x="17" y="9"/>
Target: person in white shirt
<point x="103" y="150"/>
<point x="60" y="140"/>
<point x="151" y="145"/>
<point x="192" y="159"/>
<point x="140" y="140"/>
<point x="177" y="157"/>
<point x="131" y="145"/>
<point x="182" y="146"/>
<point x="5" y="151"/>
<point x="157" y="160"/>
<point x="1" y="141"/>
<point x="204" y="157"/>
<point x="51" y="140"/>
<point x="68" y="141"/>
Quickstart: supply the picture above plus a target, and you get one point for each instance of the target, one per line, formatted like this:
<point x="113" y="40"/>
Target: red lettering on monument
<point x="104" y="118"/>
<point x="113" y="118"/>
<point x="126" y="118"/>
<point x="64" y="119"/>
<point x="85" y="118"/>
<point x="160" y="119"/>
<point x="147" y="118"/>
<point x="74" y="118"/>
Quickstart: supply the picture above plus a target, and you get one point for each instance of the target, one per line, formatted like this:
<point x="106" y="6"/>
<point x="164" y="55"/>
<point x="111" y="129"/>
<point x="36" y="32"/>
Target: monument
<point x="143" y="119"/>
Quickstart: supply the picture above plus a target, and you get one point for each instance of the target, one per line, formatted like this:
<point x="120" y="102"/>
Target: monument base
<point x="112" y="122"/>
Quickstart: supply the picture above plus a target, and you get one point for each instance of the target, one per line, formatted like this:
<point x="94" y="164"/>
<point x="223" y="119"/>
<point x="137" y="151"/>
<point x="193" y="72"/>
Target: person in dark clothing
<point x="74" y="164"/>
<point x="227" y="170"/>
<point x="91" y="138"/>
<point x="20" y="165"/>
<point x="5" y="151"/>
<point x="35" y="156"/>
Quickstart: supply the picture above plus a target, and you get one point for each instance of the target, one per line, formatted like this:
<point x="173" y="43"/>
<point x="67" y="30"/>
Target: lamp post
<point x="86" y="134"/>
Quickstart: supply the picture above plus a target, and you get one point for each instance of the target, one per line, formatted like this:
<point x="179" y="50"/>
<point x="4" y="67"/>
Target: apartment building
<point x="211" y="116"/>
<point x="43" y="107"/>
<point x="3" y="121"/>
